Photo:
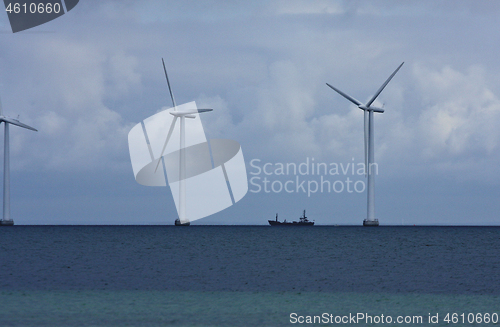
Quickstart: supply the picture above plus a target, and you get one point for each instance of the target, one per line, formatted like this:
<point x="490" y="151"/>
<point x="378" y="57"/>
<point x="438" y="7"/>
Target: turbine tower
<point x="182" y="221"/>
<point x="369" y="145"/>
<point x="6" y="220"/>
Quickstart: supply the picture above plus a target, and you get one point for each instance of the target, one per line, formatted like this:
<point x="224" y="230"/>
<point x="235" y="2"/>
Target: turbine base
<point x="178" y="223"/>
<point x="370" y="223"/>
<point x="7" y="222"/>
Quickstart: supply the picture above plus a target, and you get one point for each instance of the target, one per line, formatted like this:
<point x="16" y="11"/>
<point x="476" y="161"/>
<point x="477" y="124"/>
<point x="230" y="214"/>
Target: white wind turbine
<point x="7" y="221"/>
<point x="182" y="221"/>
<point x="369" y="146"/>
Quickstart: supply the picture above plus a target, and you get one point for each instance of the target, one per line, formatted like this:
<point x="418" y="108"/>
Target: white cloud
<point x="52" y="123"/>
<point x="461" y="113"/>
<point x="64" y="97"/>
<point x="217" y="123"/>
<point x="284" y="106"/>
<point x="297" y="7"/>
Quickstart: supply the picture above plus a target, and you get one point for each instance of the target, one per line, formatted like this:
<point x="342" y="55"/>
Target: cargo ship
<point x="303" y="221"/>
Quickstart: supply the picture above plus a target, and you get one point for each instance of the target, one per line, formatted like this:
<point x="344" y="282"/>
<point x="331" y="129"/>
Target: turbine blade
<point x="168" y="82"/>
<point x="348" y="97"/>
<point x="172" y="125"/>
<point x="366" y="140"/>
<point x="17" y="123"/>
<point x="1" y="109"/>
<point x="383" y="86"/>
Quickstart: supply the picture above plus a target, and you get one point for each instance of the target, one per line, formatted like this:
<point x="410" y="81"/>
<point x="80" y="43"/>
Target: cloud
<point x="262" y="67"/>
<point x="65" y="96"/>
<point x="218" y="123"/>
<point x="461" y="112"/>
<point x="284" y="105"/>
<point x="448" y="127"/>
<point x="297" y="7"/>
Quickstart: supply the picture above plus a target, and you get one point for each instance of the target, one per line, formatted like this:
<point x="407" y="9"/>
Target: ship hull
<point x="279" y="223"/>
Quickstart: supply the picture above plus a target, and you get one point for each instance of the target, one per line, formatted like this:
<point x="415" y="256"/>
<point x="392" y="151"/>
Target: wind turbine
<point x="369" y="145"/>
<point x="182" y="221"/>
<point x="7" y="221"/>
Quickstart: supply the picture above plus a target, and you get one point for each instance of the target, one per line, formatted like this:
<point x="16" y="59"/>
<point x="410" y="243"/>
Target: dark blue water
<point x="454" y="260"/>
<point x="260" y="266"/>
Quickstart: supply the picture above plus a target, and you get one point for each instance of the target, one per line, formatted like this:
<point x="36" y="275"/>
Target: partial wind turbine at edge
<point x="6" y="220"/>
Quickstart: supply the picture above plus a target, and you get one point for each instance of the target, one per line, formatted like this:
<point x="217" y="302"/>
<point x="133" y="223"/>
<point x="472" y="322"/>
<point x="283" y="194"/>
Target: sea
<point x="249" y="276"/>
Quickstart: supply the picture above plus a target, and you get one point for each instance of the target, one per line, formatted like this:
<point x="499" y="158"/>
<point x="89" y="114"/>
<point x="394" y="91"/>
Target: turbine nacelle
<point x="374" y="109"/>
<point x="188" y="113"/>
<point x="16" y="122"/>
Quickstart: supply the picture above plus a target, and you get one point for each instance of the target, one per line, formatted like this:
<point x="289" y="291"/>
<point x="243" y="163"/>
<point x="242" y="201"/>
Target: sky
<point x="86" y="78"/>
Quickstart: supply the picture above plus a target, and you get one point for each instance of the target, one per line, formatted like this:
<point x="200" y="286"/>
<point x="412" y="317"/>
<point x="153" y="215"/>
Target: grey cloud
<point x="262" y="66"/>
